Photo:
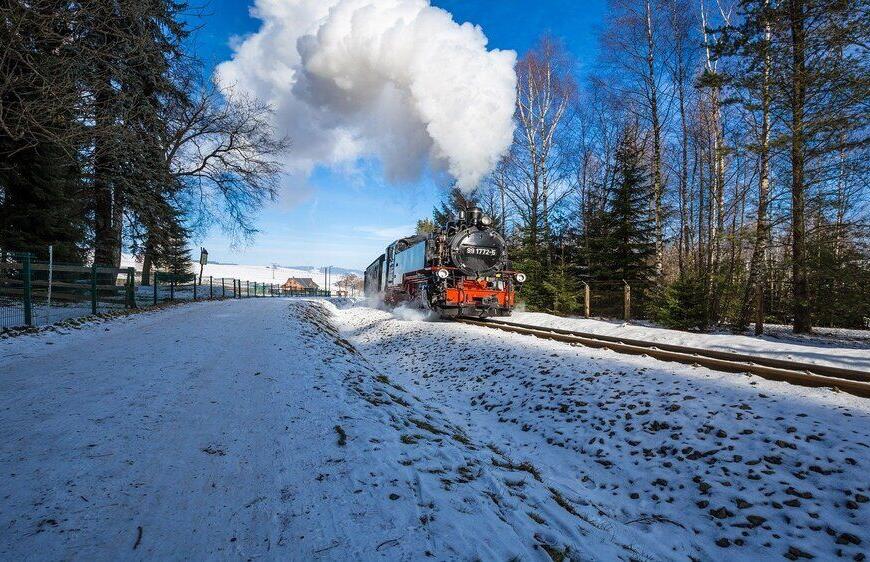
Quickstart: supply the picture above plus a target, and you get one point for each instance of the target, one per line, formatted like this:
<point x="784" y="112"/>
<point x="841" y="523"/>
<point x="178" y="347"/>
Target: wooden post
<point x="194" y="287"/>
<point x="586" y="298"/>
<point x="28" y="292"/>
<point x="131" y="287"/>
<point x="154" y="283"/>
<point x="172" y="288"/>
<point x="210" y="286"/>
<point x="627" y="312"/>
<point x="223" y="288"/>
<point x="94" y="289"/>
<point x="247" y="288"/>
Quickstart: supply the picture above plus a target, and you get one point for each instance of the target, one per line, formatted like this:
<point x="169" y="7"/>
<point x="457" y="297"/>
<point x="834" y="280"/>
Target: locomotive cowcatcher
<point x="458" y="270"/>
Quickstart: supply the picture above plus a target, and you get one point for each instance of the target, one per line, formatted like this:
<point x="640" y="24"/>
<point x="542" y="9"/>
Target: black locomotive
<point x="459" y="270"/>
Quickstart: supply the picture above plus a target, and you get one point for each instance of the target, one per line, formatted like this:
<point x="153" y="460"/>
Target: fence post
<point x="223" y="288"/>
<point x="586" y="299"/>
<point x="94" y="288"/>
<point x="210" y="287"/>
<point x="247" y="288"/>
<point x="172" y="288"/>
<point x="131" y="287"/>
<point x="194" y="287"/>
<point x="627" y="311"/>
<point x="28" y="294"/>
<point x="154" y="283"/>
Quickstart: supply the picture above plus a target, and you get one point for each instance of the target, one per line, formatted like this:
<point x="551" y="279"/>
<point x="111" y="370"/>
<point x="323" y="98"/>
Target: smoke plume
<point x="397" y="80"/>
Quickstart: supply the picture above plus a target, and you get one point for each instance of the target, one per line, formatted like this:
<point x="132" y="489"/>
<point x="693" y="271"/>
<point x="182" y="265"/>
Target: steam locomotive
<point x="458" y="270"/>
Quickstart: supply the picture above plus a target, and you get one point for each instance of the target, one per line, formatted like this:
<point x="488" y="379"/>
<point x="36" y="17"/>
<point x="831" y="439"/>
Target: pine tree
<point x="425" y="226"/>
<point x="628" y="249"/>
<point x="451" y="205"/>
<point x="172" y="249"/>
<point x="41" y="203"/>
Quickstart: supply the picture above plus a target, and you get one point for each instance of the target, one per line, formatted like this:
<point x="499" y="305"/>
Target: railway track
<point x="805" y="374"/>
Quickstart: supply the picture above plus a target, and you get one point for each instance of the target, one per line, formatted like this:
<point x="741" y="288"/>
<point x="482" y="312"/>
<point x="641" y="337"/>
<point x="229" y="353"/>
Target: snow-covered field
<point x="841" y="348"/>
<point x="297" y="429"/>
<point x="252" y="273"/>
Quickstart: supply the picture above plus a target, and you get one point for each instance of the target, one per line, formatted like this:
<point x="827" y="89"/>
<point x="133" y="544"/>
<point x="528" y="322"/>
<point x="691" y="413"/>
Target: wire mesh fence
<point x="41" y="292"/>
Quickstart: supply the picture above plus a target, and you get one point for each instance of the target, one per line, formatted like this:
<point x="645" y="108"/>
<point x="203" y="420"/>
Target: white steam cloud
<point x="398" y="80"/>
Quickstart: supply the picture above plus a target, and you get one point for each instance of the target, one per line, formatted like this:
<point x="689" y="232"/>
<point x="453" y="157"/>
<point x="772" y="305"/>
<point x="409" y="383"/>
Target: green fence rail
<point x="37" y="293"/>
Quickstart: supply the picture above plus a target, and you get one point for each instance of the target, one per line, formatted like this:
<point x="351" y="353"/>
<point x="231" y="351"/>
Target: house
<point x="300" y="284"/>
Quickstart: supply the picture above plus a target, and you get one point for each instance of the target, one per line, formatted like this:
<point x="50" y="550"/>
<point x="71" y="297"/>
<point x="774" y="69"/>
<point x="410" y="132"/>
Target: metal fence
<point x="39" y="293"/>
<point x="36" y="293"/>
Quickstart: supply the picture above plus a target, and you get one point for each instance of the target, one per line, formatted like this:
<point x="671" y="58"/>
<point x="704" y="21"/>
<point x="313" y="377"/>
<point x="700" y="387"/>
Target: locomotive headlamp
<point x="521" y="277"/>
<point x="486" y="220"/>
<point x="443" y="274"/>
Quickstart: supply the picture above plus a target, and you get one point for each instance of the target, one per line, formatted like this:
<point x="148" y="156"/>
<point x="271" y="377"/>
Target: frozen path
<point x="176" y="423"/>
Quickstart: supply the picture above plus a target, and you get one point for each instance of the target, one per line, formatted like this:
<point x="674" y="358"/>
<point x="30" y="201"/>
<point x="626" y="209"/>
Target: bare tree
<point x="535" y="175"/>
<point x="225" y="154"/>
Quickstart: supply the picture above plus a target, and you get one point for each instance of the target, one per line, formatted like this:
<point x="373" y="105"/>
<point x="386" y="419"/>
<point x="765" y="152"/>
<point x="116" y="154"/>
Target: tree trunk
<point x="800" y="281"/>
<point x="757" y="273"/>
<point x="104" y="239"/>
<point x="657" y="142"/>
<point x="683" y="249"/>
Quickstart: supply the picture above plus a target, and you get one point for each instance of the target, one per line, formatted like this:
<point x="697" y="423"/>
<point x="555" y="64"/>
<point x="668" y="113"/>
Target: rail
<point x="805" y="374"/>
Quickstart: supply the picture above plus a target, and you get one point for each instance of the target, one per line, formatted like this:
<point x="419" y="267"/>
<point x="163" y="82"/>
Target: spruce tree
<point x="41" y="203"/>
<point x="628" y="251"/>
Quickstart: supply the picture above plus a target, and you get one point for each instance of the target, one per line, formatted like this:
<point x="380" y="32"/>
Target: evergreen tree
<point x="176" y="253"/>
<point x="425" y="226"/>
<point x="171" y="248"/>
<point x="625" y="246"/>
<point x="41" y="203"/>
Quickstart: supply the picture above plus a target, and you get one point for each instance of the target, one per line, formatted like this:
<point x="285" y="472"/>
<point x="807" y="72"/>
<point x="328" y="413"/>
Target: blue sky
<point x="347" y="221"/>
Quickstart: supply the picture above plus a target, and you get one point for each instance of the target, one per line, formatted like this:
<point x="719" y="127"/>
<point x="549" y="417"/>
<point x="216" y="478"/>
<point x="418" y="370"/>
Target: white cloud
<point x="395" y="79"/>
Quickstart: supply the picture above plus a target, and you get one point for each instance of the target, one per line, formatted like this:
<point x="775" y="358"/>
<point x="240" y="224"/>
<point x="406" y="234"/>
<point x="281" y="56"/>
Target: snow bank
<point x="851" y="352"/>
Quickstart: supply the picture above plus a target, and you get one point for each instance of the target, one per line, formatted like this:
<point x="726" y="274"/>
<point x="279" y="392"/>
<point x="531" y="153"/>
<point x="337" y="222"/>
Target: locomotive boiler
<point x="461" y="269"/>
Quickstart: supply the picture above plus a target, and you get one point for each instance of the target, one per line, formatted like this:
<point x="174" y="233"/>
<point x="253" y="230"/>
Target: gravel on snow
<point x="679" y="462"/>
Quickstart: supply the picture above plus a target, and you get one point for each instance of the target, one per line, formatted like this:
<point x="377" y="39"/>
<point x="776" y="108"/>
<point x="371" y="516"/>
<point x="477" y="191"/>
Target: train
<point x="459" y="270"/>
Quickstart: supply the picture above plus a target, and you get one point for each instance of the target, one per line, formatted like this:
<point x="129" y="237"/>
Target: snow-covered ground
<point x="297" y="429"/>
<point x="841" y="348"/>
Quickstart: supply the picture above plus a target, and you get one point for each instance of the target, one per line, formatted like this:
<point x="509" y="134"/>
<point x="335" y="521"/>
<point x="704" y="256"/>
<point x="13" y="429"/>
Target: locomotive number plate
<point x="480" y="251"/>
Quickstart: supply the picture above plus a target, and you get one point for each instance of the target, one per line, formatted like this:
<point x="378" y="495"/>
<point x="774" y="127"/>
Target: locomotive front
<point x="474" y="278"/>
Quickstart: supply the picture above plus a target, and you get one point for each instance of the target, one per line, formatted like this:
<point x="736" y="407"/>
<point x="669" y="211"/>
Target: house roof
<point x="304" y="282"/>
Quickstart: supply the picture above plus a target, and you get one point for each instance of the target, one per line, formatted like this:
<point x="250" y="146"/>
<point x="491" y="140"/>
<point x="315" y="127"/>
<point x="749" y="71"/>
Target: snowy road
<point x="278" y="429"/>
